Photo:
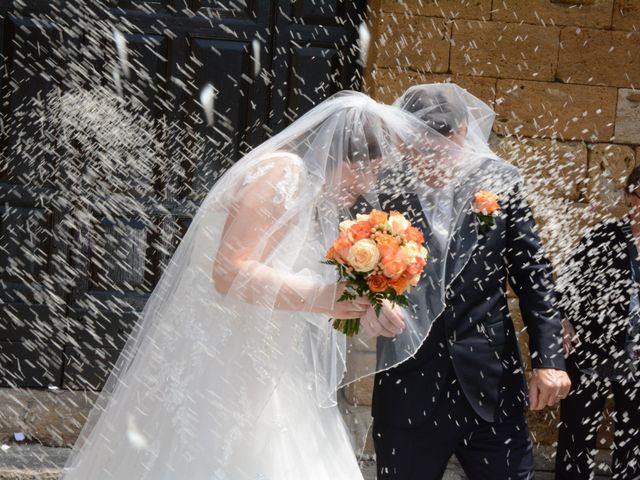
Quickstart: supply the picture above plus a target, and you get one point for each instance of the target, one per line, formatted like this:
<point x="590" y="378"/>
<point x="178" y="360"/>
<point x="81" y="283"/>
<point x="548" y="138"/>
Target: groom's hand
<point x="389" y="324"/>
<point x="547" y="387"/>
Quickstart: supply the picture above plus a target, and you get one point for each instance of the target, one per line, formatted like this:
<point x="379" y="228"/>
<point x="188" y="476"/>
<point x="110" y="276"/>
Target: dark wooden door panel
<point x="90" y="216"/>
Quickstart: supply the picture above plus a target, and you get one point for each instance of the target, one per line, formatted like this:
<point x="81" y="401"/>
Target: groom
<point x="464" y="392"/>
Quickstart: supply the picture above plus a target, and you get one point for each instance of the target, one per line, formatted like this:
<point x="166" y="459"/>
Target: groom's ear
<point x="459" y="135"/>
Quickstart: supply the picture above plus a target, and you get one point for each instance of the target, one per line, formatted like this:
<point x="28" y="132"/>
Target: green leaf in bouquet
<point x="402" y="301"/>
<point x="347" y="295"/>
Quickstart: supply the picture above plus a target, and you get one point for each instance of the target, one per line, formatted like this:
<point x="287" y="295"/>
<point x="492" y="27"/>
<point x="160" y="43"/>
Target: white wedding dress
<point x="250" y="398"/>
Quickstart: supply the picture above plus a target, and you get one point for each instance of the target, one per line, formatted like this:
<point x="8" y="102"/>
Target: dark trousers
<point x="581" y="414"/>
<point x="487" y="451"/>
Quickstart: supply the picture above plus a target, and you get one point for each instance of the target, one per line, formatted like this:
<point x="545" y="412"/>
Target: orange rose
<point x="376" y="217"/>
<point x="377" y="283"/>
<point x="416" y="267"/>
<point x="394" y="265"/>
<point x="412" y="234"/>
<point x="486" y="203"/>
<point x="359" y="231"/>
<point x="332" y="254"/>
<point x="387" y="244"/>
<point x="340" y="249"/>
<point x="400" y="284"/>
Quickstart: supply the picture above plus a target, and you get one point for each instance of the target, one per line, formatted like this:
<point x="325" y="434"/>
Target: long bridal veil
<point x="238" y="311"/>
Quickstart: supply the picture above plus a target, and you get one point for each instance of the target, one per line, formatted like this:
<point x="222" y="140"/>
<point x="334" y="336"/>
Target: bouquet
<point x="379" y="255"/>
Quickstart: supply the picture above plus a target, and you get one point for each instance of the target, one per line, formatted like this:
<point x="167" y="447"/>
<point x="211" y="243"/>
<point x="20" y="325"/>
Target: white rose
<point x="398" y="223"/>
<point x="363" y="256"/>
<point x="413" y="250"/>
<point x="362" y="218"/>
<point x="345" y="226"/>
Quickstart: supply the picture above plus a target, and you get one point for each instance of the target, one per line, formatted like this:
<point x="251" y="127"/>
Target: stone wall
<point x="560" y="75"/>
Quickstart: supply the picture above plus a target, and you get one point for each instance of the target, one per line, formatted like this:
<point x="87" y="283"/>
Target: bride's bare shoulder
<point x="274" y="178"/>
<point x="276" y="165"/>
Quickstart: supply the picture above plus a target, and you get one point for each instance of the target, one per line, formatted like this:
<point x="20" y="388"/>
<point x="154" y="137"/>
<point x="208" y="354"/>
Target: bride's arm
<point x="257" y="221"/>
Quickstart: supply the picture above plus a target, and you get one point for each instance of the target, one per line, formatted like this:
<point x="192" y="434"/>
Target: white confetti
<point x="255" y="46"/>
<point x="135" y="437"/>
<point x="364" y="42"/>
<point x="121" y="47"/>
<point x="207" y="97"/>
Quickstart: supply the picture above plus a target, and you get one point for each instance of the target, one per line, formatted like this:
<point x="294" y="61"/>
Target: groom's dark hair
<point x="364" y="143"/>
<point x="436" y="110"/>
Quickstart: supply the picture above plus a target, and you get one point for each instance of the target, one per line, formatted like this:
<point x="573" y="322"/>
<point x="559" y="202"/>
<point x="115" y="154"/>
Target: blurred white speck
<point x="364" y="41"/>
<point x="255" y="46"/>
<point x="4" y="447"/>
<point x="117" y="81"/>
<point x="207" y="96"/>
<point x="136" y="438"/>
<point x="121" y="47"/>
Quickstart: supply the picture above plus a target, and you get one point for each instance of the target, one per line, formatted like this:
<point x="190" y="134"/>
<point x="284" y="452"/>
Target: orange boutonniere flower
<point x="486" y="206"/>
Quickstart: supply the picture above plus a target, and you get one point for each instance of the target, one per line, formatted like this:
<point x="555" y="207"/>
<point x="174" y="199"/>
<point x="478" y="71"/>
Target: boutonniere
<point x="486" y="206"/>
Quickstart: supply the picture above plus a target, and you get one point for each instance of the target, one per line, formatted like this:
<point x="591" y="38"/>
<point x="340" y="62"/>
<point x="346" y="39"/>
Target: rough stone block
<point x="551" y="168"/>
<point x="504" y="50"/>
<point x="359" y="363"/>
<point x="609" y="167"/>
<point x="52" y="418"/>
<point x="473" y="9"/>
<point x="599" y="57"/>
<point x="568" y="112"/>
<point x="626" y="15"/>
<point x="387" y="84"/>
<point x="358" y="420"/>
<point x="359" y="393"/>
<point x="421" y="43"/>
<point x="628" y="116"/>
<point x="594" y="13"/>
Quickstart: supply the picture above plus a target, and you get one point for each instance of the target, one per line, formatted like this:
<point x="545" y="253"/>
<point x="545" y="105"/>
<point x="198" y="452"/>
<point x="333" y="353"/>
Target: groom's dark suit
<point x="464" y="391"/>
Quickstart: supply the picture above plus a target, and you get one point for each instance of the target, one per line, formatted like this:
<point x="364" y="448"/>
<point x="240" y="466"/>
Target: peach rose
<point x="400" y="284"/>
<point x="414" y="280"/>
<point x="378" y="283"/>
<point x="416" y="267"/>
<point x="363" y="256"/>
<point x="412" y="234"/>
<point x="340" y="249"/>
<point x="394" y="265"/>
<point x="397" y="223"/>
<point x="412" y="249"/>
<point x="345" y="226"/>
<point x="387" y="244"/>
<point x="376" y="217"/>
<point x="359" y="231"/>
<point x="486" y="203"/>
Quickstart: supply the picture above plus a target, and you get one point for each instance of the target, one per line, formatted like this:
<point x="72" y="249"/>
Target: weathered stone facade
<point x="562" y="77"/>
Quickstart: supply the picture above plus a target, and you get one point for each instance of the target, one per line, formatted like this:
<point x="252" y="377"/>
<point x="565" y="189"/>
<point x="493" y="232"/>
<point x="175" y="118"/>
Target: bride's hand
<point x="346" y="309"/>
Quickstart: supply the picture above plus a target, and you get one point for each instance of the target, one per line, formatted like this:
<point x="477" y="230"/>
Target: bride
<point x="231" y="373"/>
<point x="232" y="369"/>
